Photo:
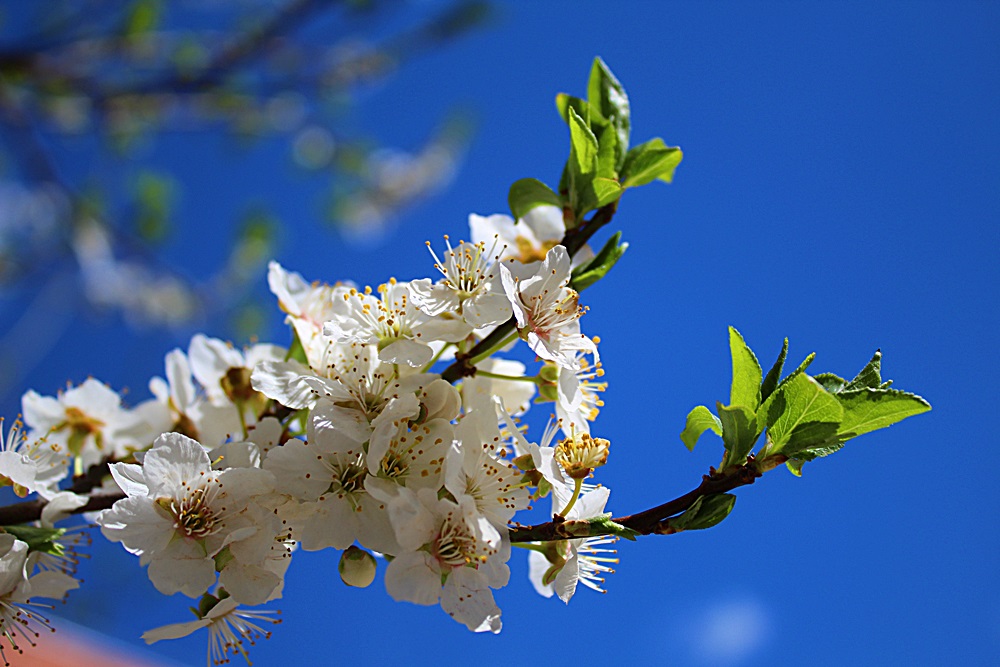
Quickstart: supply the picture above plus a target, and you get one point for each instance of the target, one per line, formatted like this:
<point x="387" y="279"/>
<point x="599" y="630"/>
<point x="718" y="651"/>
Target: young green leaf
<point x="831" y="382"/>
<point x="582" y="108"/>
<point x="739" y="433"/>
<point x="588" y="186"/>
<point x="770" y="382"/>
<point x="801" y="415"/>
<point x="607" y="96"/>
<point x="583" y="146"/>
<point x="589" y="273"/>
<point x="746" y="387"/>
<point x="651" y="161"/>
<point x="870" y="375"/>
<point x="699" y="420"/>
<point x="795" y="466"/>
<point x="44" y="540"/>
<point x="868" y="409"/>
<point x="768" y="412"/>
<point x="705" y="512"/>
<point x="528" y="193"/>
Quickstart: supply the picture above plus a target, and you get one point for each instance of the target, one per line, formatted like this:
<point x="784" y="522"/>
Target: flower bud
<point x="356" y="567"/>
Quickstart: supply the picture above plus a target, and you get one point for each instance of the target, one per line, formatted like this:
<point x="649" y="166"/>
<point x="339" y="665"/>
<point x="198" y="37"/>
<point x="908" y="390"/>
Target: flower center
<point x="455" y="547"/>
<point x="193" y="516"/>
<point x="580" y="454"/>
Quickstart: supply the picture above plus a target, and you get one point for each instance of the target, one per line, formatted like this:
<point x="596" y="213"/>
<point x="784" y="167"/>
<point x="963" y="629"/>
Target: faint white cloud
<point x="726" y="632"/>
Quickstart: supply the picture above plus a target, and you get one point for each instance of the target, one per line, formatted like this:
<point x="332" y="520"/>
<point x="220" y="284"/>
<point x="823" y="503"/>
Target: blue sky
<point x="839" y="187"/>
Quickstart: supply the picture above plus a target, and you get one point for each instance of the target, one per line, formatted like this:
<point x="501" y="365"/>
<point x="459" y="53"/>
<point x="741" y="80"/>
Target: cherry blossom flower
<point x="178" y="406"/>
<point x="328" y="475"/>
<point x="179" y="513"/>
<point x="308" y="307"/>
<point x="230" y="629"/>
<point x="450" y="553"/>
<point x="31" y="466"/>
<point x="393" y="323"/>
<point x="577" y="400"/>
<point x="478" y="390"/>
<point x="471" y="288"/>
<point x="224" y="372"/>
<point x="526" y="240"/>
<point x="559" y="566"/>
<point x="19" y="619"/>
<point x="87" y="421"/>
<point x="547" y="309"/>
<point x="475" y="468"/>
<point x="407" y="451"/>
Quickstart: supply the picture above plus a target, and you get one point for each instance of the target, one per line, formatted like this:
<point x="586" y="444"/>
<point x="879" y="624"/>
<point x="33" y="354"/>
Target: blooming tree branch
<point x="349" y="440"/>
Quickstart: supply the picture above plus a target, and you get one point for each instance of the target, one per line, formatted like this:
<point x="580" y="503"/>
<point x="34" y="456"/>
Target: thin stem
<point x="577" y="485"/>
<point x="434" y="359"/>
<point x="510" y="378"/>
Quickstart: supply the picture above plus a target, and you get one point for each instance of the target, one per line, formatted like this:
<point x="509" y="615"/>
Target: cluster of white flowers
<point x="347" y="440"/>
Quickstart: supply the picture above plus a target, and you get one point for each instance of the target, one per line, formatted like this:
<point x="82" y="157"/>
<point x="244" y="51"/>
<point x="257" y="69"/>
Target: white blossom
<point x="230" y="630"/>
<point x="450" y="553"/>
<point x="393" y="323"/>
<point x="88" y="421"/>
<point x="31" y="466"/>
<point x="567" y="563"/>
<point x="179" y="513"/>
<point x="470" y="289"/>
<point x="547" y="309"/>
<point x="19" y="618"/>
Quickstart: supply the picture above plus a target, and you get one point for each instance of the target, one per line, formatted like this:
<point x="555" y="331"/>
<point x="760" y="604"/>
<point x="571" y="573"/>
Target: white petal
<point x="467" y="599"/>
<point x="174" y="459"/>
<point x="175" y="630"/>
<point x="412" y="577"/>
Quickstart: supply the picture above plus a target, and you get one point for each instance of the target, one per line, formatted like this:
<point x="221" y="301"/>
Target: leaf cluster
<point x="600" y="167"/>
<point x="802" y="417"/>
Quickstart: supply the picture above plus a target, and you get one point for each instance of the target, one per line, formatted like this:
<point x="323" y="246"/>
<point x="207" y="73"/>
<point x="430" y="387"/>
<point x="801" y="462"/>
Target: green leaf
<point x="795" y="466"/>
<point x="589" y="273"/>
<point x="767" y="413"/>
<point x="528" y="193"/>
<point x="603" y="525"/>
<point x="607" y="146"/>
<point x="582" y="108"/>
<point x="870" y="375"/>
<point x="801" y="415"/>
<point x="699" y="420"/>
<point x="831" y="382"/>
<point x="587" y="187"/>
<point x="705" y="512"/>
<point x="651" y="161"/>
<point x="607" y="96"/>
<point x="770" y="382"/>
<point x="40" y="539"/>
<point x="810" y="453"/>
<point x="296" y="351"/>
<point x="746" y="387"/>
<point x="868" y="409"/>
<point x="739" y="433"/>
<point x="583" y="145"/>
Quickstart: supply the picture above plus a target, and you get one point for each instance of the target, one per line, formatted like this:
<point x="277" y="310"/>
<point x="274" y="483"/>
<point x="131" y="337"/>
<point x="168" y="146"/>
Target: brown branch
<point x="11" y="515"/>
<point x="654" y="520"/>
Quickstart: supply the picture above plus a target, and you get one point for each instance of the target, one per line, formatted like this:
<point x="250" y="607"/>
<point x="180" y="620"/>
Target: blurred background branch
<point x="99" y="83"/>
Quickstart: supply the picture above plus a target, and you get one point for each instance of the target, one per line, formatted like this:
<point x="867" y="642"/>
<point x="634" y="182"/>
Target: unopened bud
<point x="356" y="567"/>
